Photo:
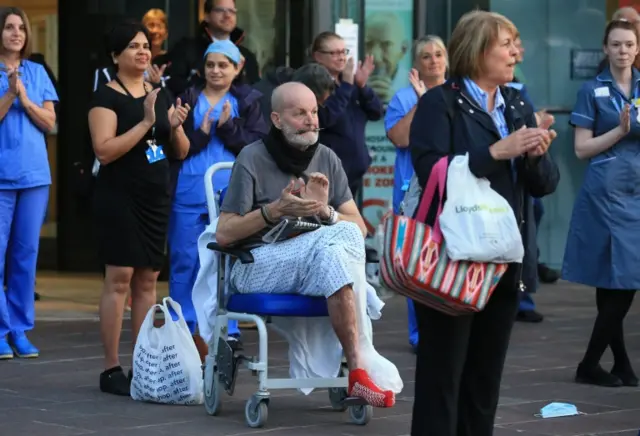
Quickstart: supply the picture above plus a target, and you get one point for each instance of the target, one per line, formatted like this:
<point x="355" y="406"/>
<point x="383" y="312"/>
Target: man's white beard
<point x="301" y="141"/>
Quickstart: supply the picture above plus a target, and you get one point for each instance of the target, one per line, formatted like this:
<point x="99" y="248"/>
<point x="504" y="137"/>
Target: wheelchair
<point x="223" y="360"/>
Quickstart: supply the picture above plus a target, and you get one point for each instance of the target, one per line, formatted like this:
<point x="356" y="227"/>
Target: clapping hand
<point x="291" y="205"/>
<point x="418" y="85"/>
<point x="364" y="71"/>
<point x="155" y="73"/>
<point x="226" y="113"/>
<point x="625" y="119"/>
<point x="205" y="126"/>
<point x="180" y="113"/>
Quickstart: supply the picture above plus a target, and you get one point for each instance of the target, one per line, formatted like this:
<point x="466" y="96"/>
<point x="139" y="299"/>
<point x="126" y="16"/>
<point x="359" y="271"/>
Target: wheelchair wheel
<point x="361" y="415"/>
<point x="256" y="414"/>
<point x="336" y="397"/>
<point x="212" y="401"/>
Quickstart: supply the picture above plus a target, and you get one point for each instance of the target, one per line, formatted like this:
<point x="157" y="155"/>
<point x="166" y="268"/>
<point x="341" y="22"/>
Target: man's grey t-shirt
<point x="256" y="181"/>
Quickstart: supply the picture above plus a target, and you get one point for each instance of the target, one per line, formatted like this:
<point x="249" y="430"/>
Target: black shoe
<point x="627" y="376"/>
<point x="597" y="376"/>
<point x="37" y="297"/>
<point x="546" y="274"/>
<point x="529" y="316"/>
<point x="130" y="376"/>
<point x="235" y="342"/>
<point x="113" y="381"/>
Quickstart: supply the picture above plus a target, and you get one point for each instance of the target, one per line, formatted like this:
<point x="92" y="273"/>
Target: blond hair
<point x="28" y="43"/>
<point x="155" y="14"/>
<point x="420" y="44"/>
<point x="475" y="33"/>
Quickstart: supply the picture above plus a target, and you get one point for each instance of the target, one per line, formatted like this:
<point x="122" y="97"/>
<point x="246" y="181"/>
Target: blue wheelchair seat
<point x="278" y="305"/>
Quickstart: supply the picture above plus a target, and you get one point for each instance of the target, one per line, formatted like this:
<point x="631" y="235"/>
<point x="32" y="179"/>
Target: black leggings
<point x="613" y="305"/>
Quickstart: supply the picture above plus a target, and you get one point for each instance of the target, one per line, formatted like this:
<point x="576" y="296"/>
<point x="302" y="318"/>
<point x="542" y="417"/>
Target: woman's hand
<point x="14" y="89"/>
<point x="418" y="85"/>
<point x="22" y="93"/>
<point x="150" y="106"/>
<point x="226" y="113"/>
<point x="205" y="125"/>
<point x="518" y="143"/>
<point x="625" y="119"/>
<point x="155" y="73"/>
<point x="547" y="137"/>
<point x="179" y="114"/>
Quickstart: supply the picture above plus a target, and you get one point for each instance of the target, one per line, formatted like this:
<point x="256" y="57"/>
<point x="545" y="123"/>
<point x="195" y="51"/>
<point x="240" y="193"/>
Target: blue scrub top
<point x="604" y="233"/>
<point x="190" y="188"/>
<point x="24" y="162"/>
<point x="400" y="105"/>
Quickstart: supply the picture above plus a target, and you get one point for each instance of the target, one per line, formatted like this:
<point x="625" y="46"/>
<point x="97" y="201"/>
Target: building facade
<point x="560" y="39"/>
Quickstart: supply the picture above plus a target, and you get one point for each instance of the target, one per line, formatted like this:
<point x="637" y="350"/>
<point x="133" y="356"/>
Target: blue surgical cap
<point x="226" y="48"/>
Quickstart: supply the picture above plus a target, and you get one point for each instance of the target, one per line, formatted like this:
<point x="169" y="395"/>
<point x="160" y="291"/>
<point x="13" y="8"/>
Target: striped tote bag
<point x="414" y="260"/>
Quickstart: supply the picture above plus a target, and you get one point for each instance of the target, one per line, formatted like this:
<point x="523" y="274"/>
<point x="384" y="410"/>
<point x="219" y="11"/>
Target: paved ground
<point x="57" y="395"/>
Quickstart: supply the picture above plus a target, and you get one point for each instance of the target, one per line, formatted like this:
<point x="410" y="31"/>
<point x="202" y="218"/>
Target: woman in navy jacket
<point x="460" y="359"/>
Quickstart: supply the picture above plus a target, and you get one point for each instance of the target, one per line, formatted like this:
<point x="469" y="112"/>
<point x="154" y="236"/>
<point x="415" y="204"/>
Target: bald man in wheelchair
<point x="289" y="175"/>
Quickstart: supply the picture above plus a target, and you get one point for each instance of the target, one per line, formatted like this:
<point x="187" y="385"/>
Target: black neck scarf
<point x="289" y="159"/>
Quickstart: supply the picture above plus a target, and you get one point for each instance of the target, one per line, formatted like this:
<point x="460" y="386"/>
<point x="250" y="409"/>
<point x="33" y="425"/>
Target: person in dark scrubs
<point x="604" y="234"/>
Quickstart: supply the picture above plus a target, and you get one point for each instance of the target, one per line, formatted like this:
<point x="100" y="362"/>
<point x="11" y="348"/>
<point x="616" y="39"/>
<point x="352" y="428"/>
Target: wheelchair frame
<point x="223" y="361"/>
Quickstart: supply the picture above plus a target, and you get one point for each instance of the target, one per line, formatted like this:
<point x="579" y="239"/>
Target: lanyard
<point x="119" y="82"/>
<point x="634" y="101"/>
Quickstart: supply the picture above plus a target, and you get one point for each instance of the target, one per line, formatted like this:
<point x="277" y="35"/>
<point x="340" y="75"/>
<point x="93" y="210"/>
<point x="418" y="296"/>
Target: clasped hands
<point x="16" y="87"/>
<point x="300" y="199"/>
<point x="530" y="141"/>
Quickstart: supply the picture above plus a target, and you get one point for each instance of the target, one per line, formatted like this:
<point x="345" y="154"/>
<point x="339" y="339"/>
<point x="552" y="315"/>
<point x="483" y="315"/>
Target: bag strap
<point x="170" y="302"/>
<point x="437" y="179"/>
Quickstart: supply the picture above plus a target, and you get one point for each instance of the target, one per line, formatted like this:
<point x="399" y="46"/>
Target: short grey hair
<point x="316" y="77"/>
<point x="420" y="43"/>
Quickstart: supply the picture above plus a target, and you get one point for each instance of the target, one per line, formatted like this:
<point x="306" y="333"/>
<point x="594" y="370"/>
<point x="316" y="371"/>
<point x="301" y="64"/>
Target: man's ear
<point x="275" y="119"/>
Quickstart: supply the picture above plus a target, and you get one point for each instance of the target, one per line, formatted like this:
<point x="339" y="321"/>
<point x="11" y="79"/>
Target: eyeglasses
<point x="336" y="53"/>
<point x="221" y="10"/>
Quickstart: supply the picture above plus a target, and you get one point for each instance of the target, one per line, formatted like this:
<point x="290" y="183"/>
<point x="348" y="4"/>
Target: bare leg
<point x="143" y="296"/>
<point x="342" y="312"/>
<point x="114" y="293"/>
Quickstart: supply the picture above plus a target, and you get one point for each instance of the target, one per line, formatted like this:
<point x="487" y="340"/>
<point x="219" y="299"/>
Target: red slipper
<point x="361" y="386"/>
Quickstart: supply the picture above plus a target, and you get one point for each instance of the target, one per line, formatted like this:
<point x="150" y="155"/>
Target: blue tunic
<point x="604" y="235"/>
<point x="23" y="151"/>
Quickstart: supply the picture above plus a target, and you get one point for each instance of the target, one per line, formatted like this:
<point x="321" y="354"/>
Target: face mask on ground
<point x="556" y="410"/>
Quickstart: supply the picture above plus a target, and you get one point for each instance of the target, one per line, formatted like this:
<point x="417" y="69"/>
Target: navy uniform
<point x="604" y="234"/>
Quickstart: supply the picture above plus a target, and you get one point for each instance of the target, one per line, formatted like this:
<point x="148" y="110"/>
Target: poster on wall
<point x="388" y="36"/>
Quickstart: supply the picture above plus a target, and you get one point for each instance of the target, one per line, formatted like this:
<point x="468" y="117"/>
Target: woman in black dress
<point x="134" y="129"/>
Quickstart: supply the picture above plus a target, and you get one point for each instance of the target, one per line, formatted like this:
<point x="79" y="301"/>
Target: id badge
<point x="155" y="153"/>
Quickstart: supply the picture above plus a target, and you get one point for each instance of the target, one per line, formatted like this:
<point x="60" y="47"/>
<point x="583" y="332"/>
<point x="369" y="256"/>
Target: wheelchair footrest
<point x="354" y="401"/>
<point x="228" y="364"/>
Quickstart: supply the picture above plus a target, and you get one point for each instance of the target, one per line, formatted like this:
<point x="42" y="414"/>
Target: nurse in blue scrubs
<point x="27" y="99"/>
<point x="429" y="70"/>
<point x="225" y="118"/>
<point x="604" y="234"/>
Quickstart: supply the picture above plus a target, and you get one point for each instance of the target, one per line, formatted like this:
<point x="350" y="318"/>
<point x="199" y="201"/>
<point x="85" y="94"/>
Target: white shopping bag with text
<point x="477" y="223"/>
<point x="166" y="363"/>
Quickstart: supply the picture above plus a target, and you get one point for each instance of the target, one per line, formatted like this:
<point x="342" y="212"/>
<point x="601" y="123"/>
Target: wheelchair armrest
<point x="244" y="256"/>
<point x="372" y="255"/>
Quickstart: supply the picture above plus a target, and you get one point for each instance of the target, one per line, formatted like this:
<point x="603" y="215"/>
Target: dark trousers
<point x="613" y="305"/>
<point x="459" y="365"/>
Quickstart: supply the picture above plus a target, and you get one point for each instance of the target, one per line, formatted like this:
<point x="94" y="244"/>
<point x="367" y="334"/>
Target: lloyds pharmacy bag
<point x="477" y="223"/>
<point x="166" y="362"/>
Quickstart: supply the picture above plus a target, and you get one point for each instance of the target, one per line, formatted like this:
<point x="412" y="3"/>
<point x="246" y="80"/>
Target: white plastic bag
<point x="477" y="223"/>
<point x="166" y="363"/>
